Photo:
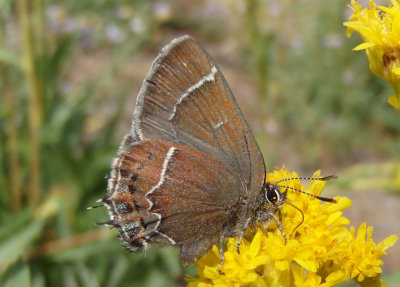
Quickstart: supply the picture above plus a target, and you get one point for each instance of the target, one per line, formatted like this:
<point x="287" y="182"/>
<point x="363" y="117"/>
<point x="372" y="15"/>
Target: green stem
<point x="259" y="45"/>
<point x="12" y="137"/>
<point x="34" y="100"/>
<point x="38" y="25"/>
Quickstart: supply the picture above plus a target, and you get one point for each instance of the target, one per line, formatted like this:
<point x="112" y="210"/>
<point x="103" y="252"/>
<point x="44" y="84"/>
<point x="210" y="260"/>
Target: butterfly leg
<point x="241" y="234"/>
<point x="221" y="250"/>
<point x="221" y="254"/>
<point x="279" y="225"/>
<point x="280" y="215"/>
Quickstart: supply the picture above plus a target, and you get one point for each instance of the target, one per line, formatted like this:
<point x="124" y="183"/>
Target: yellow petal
<point x="396" y="71"/>
<point x="388" y="242"/>
<point x="342" y="204"/>
<point x="336" y="277"/>
<point x="250" y="277"/>
<point x="282" y="265"/>
<point x="394" y="102"/>
<point x="333" y="217"/>
<point x="255" y="245"/>
<point x="396" y="4"/>
<point x="307" y="264"/>
<point x="385" y="9"/>
<point x="210" y="272"/>
<point x="362" y="231"/>
<point x="349" y="32"/>
<point x="257" y="261"/>
<point x="364" y="46"/>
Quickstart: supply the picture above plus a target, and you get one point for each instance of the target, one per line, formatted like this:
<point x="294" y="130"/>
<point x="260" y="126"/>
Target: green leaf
<point x="9" y="57"/>
<point x="83" y="252"/>
<point x="16" y="275"/>
<point x="15" y="246"/>
<point x="86" y="276"/>
<point x="11" y="223"/>
<point x="38" y="279"/>
<point x="117" y="272"/>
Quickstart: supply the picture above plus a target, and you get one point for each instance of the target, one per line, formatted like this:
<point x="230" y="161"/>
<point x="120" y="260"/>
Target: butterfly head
<point x="273" y="195"/>
<point x="274" y="198"/>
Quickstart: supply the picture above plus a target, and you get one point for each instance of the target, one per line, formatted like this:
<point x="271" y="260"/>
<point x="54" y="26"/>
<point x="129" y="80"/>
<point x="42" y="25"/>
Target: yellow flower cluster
<point x="380" y="29"/>
<point x="320" y="252"/>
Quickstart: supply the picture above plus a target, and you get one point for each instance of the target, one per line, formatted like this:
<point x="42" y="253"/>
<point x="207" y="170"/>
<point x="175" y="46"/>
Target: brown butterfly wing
<point x="185" y="100"/>
<point x="166" y="193"/>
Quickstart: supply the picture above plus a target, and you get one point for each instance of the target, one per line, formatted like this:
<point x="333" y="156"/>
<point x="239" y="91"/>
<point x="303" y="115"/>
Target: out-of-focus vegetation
<point x="66" y="74"/>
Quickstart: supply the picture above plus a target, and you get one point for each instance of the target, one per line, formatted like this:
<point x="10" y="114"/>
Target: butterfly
<point x="189" y="173"/>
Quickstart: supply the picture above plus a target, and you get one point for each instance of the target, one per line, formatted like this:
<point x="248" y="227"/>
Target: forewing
<point x="171" y="194"/>
<point x="185" y="100"/>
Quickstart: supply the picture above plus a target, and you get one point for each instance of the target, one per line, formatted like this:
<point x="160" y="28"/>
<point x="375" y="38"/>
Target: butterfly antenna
<point x="327" y="199"/>
<point x="302" y="220"/>
<point x="325" y="178"/>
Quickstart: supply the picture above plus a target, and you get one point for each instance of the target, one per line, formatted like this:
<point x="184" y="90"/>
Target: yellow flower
<point x="362" y="258"/>
<point x="319" y="252"/>
<point x="380" y="29"/>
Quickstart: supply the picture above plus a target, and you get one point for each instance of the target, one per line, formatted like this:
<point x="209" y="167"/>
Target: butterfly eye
<point x="272" y="195"/>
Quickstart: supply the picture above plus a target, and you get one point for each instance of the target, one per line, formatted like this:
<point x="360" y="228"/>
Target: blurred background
<point x="70" y="72"/>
